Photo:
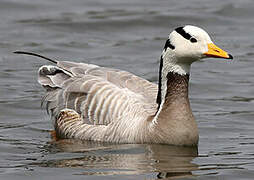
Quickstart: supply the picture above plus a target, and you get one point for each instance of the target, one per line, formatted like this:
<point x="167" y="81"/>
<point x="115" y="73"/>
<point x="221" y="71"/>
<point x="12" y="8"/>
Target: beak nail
<point x="230" y="56"/>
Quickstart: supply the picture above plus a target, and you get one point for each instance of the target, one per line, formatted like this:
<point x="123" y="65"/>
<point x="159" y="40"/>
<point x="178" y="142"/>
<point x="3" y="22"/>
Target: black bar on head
<point x="168" y="45"/>
<point x="181" y="31"/>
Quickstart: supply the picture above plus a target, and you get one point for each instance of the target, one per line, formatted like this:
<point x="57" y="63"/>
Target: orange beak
<point x="215" y="51"/>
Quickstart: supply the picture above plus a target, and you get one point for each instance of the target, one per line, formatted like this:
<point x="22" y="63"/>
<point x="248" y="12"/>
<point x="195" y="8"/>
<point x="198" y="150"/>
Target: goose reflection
<point x="163" y="161"/>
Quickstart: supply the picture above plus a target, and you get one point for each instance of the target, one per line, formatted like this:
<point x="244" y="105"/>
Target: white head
<point x="186" y="45"/>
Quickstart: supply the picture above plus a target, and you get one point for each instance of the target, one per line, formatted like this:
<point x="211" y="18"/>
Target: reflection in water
<point x="110" y="159"/>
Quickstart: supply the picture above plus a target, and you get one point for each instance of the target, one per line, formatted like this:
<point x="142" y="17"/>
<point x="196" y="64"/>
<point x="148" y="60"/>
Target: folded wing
<point x="100" y="95"/>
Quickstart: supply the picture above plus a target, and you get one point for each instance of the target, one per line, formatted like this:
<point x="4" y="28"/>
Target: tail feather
<point x="62" y="90"/>
<point x="52" y="76"/>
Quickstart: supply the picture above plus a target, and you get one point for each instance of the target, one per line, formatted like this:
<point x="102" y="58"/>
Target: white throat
<point x="171" y="64"/>
<point x="181" y="69"/>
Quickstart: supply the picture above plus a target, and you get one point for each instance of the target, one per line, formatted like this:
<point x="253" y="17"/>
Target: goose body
<point x="95" y="103"/>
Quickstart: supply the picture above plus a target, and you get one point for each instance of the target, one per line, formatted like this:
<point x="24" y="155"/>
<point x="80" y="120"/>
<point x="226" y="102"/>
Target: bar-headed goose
<point x="89" y="102"/>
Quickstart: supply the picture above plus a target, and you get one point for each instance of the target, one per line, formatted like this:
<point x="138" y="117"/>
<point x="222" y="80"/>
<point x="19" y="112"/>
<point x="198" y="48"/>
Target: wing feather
<point x="100" y="95"/>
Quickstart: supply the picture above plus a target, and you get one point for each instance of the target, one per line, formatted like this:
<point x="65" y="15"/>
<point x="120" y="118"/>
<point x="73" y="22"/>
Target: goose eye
<point x="193" y="40"/>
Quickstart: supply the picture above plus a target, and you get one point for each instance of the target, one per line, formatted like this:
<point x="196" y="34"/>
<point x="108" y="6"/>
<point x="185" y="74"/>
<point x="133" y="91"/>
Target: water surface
<point x="128" y="35"/>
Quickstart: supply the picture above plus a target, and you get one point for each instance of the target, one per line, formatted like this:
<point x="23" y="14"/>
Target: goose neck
<point x="174" y="89"/>
<point x="173" y="80"/>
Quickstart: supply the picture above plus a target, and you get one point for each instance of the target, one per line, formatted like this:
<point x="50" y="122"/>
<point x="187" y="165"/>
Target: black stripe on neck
<point x="159" y="85"/>
<point x="168" y="45"/>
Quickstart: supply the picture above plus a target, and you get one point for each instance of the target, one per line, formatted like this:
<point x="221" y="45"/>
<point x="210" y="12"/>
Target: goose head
<point x="186" y="45"/>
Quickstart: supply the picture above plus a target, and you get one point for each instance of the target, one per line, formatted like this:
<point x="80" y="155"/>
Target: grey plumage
<point x="91" y="90"/>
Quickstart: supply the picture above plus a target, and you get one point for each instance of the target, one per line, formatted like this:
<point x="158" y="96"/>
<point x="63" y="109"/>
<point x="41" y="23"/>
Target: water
<point x="128" y="35"/>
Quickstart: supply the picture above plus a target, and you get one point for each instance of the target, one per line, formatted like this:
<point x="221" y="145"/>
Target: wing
<point x="100" y="95"/>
